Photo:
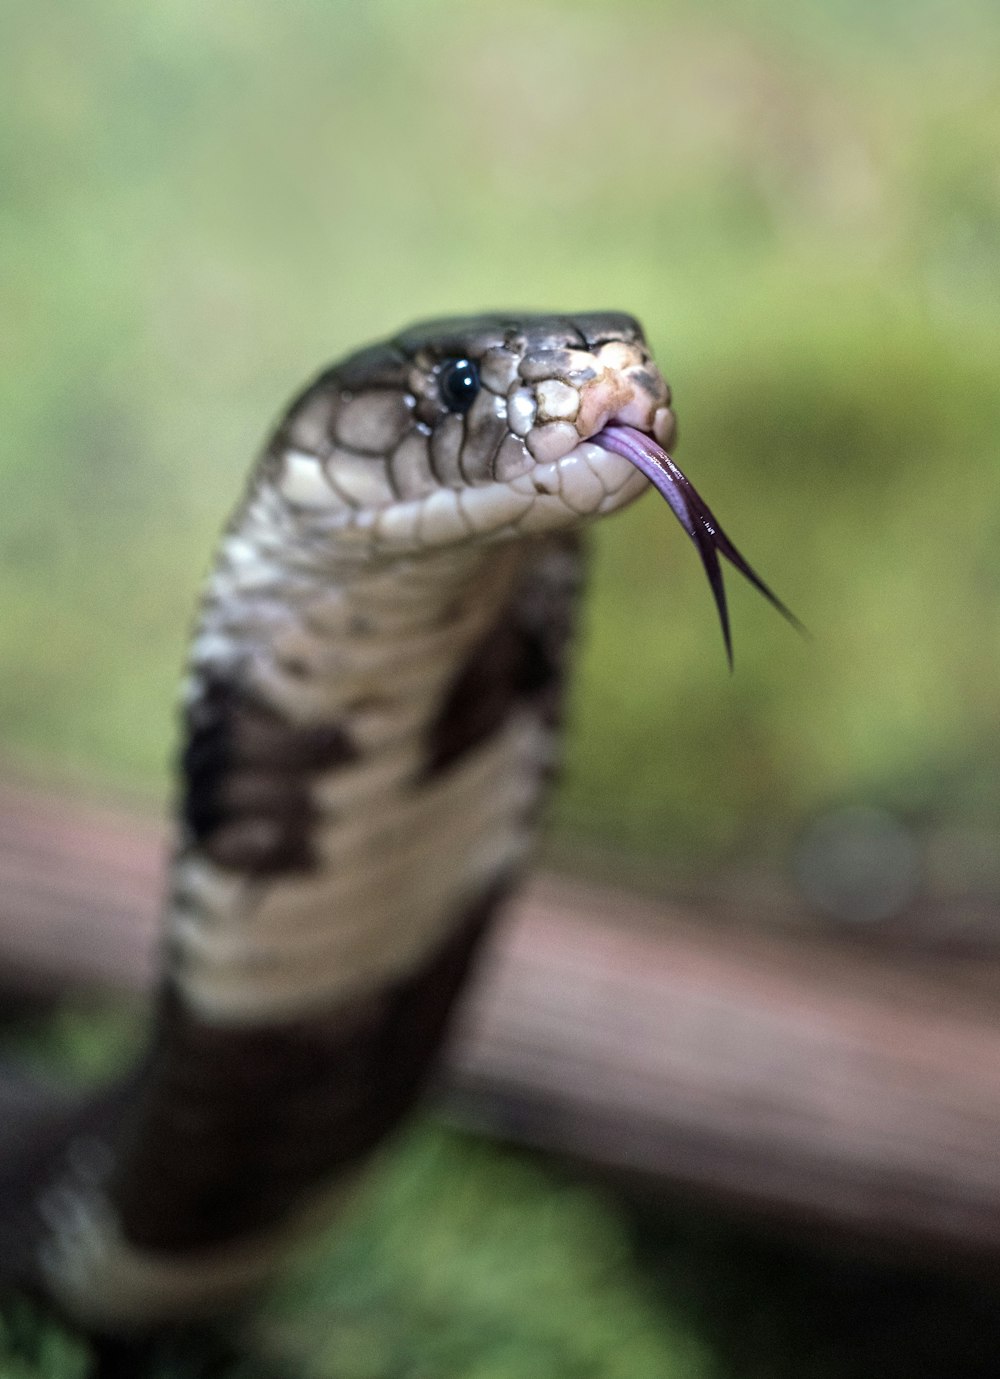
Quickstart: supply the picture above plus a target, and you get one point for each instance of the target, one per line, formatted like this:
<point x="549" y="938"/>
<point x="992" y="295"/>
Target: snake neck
<point x="364" y="751"/>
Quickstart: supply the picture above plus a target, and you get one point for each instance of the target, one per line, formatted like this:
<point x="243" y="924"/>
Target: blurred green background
<point x="200" y="204"/>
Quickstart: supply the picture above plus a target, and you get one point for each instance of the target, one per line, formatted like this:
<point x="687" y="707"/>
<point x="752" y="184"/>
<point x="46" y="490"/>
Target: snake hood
<point x="485" y="428"/>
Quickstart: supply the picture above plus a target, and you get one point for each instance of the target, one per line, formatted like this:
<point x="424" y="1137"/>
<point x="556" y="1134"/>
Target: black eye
<point x="458" y="384"/>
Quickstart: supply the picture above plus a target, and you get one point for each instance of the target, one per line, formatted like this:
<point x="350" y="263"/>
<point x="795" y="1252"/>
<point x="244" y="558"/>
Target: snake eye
<point x="458" y="384"/>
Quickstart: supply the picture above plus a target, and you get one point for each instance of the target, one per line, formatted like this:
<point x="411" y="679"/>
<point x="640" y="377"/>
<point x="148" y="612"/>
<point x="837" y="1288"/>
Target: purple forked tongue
<point x="693" y="514"/>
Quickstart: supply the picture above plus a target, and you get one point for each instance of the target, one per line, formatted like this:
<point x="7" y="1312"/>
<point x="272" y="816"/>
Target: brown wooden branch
<point x="802" y="1077"/>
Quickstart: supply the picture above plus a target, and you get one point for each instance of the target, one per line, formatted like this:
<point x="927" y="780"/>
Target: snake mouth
<point x="694" y="515"/>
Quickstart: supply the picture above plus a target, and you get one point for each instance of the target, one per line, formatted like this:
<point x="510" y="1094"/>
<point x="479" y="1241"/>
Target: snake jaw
<point x="694" y="515"/>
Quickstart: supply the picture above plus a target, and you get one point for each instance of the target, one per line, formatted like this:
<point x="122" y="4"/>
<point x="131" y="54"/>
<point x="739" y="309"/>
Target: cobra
<point x="371" y="721"/>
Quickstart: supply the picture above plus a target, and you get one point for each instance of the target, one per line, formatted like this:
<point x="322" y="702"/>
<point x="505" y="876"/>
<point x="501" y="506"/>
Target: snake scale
<point x="371" y="721"/>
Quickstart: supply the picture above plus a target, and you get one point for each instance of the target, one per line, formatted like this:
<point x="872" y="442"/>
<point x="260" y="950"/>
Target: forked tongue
<point x="694" y="516"/>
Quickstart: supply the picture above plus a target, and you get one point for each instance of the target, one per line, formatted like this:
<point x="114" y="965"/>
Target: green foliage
<point x="80" y="1044"/>
<point x="463" y="1262"/>
<point x="32" y="1346"/>
<point x="201" y="206"/>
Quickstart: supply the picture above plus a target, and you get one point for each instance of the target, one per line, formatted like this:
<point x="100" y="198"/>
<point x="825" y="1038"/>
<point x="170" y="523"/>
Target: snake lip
<point x="694" y="515"/>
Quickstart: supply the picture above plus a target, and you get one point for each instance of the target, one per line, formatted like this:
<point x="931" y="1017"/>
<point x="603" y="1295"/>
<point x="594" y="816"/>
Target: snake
<point x="371" y="723"/>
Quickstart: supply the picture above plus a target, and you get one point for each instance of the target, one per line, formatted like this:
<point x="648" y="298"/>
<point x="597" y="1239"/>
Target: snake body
<point x="371" y="714"/>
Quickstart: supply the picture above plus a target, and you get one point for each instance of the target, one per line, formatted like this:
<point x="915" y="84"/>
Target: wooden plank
<point x="743" y="1066"/>
<point x="826" y="1081"/>
<point x="79" y="891"/>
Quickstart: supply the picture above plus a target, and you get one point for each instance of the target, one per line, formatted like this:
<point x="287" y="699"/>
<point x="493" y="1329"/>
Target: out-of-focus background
<point x="200" y="205"/>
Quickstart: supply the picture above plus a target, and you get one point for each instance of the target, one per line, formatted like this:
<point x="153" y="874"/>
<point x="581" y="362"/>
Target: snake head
<point x="485" y="428"/>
